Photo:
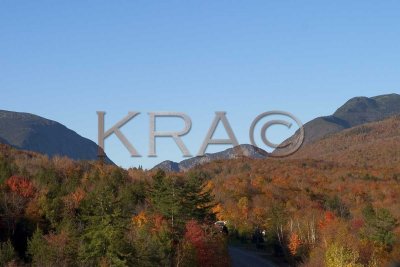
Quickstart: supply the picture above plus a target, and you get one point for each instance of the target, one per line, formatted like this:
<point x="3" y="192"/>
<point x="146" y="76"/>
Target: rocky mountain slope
<point x="231" y="153"/>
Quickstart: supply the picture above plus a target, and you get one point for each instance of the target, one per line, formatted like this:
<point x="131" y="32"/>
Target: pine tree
<point x="197" y="200"/>
<point x="6" y="169"/>
<point x="181" y="199"/>
<point x="105" y="224"/>
<point x="380" y="224"/>
<point x="38" y="249"/>
<point x="165" y="198"/>
<point x="7" y="253"/>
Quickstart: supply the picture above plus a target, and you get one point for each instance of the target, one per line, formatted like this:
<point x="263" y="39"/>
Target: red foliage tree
<point x="196" y="236"/>
<point x="328" y="218"/>
<point x="21" y="186"/>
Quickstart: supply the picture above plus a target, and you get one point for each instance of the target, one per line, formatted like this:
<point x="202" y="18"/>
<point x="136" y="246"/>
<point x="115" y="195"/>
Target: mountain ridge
<point x="375" y="143"/>
<point x="31" y="132"/>
<point x="244" y="150"/>
<point x="354" y="112"/>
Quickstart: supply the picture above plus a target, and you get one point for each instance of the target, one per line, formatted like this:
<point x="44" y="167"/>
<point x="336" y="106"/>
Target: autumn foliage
<point x="328" y="218"/>
<point x="336" y="204"/>
<point x="294" y="243"/>
<point x="208" y="245"/>
<point x="21" y="186"/>
<point x="195" y="236"/>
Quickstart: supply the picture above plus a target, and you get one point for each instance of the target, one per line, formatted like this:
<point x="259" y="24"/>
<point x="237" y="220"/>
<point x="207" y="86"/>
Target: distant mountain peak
<point x="34" y="133"/>
<point x="356" y="111"/>
<point x="357" y="104"/>
<point x="359" y="110"/>
<point x="244" y="150"/>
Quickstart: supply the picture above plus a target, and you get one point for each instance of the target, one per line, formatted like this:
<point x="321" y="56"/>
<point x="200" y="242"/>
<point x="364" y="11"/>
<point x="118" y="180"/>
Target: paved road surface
<point x="245" y="258"/>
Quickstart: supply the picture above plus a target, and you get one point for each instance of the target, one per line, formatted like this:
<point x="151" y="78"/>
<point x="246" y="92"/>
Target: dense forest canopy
<point x="309" y="212"/>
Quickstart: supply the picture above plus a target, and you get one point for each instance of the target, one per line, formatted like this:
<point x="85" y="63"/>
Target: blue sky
<point x="65" y="61"/>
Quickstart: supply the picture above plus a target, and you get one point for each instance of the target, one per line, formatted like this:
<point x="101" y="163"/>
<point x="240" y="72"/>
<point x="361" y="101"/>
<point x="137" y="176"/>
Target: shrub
<point x="7" y="253"/>
<point x="338" y="256"/>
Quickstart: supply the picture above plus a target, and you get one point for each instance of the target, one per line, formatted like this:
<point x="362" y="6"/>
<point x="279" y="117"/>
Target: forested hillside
<point x="372" y="144"/>
<point x="335" y="203"/>
<point x="63" y="213"/>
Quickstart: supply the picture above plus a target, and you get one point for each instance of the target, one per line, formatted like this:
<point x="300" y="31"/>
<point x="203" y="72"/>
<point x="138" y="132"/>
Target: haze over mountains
<point x="357" y="111"/>
<point x="31" y="132"/>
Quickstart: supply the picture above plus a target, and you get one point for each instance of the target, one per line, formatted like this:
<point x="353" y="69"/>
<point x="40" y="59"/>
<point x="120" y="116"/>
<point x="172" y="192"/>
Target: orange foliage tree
<point x="21" y="186"/>
<point x="294" y="243"/>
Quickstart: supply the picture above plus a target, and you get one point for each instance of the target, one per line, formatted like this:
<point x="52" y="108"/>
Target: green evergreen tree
<point x="6" y="169"/>
<point x="380" y="224"/>
<point x="7" y="253"/>
<point x="105" y="223"/>
<point x="197" y="201"/>
<point x="181" y="199"/>
<point x="165" y="198"/>
<point x="38" y="249"/>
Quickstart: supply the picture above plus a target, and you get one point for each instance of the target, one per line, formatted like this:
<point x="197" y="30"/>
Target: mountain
<point x="245" y="150"/>
<point x="168" y="166"/>
<point x="31" y="132"/>
<point x="372" y="144"/>
<point x="356" y="111"/>
<point x="3" y="141"/>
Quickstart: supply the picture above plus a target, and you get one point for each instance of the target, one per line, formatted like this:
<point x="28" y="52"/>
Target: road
<point x="241" y="257"/>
